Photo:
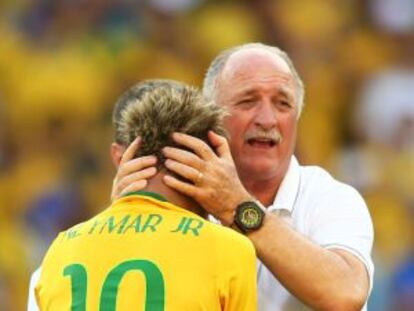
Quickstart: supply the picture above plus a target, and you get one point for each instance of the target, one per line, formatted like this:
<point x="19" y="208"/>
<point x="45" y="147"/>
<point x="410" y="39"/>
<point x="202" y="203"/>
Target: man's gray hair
<point x="217" y="65"/>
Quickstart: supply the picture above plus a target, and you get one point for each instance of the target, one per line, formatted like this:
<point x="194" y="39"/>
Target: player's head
<point x="155" y="109"/>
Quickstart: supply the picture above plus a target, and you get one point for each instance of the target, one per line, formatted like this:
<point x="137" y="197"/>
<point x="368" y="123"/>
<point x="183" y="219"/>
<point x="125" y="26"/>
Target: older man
<point x="315" y="235"/>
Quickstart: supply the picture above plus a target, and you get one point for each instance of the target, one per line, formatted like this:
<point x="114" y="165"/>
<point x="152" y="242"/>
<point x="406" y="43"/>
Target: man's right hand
<point x="210" y="174"/>
<point x="133" y="173"/>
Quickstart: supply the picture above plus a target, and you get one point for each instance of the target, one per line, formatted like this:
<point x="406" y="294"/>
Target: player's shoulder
<point x="76" y="228"/>
<point x="58" y="247"/>
<point x="230" y="240"/>
<point x="87" y="222"/>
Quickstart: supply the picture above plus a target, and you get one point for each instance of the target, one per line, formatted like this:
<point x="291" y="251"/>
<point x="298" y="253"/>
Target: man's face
<point x="259" y="91"/>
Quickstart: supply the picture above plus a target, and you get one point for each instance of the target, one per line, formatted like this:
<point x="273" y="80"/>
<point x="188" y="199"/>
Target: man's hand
<point x="215" y="183"/>
<point x="133" y="173"/>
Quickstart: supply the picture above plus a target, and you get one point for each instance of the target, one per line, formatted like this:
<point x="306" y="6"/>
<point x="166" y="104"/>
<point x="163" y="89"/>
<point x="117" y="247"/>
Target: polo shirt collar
<point x="289" y="188"/>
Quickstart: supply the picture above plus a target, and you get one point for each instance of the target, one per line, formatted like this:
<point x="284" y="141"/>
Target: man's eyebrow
<point x="244" y="94"/>
<point x="248" y="92"/>
<point x="286" y="93"/>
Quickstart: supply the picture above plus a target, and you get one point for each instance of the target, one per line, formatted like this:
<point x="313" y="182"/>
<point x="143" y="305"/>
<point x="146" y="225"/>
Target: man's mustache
<point x="272" y="135"/>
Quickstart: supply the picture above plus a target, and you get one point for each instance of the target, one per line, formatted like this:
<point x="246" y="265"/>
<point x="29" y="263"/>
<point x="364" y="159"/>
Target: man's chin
<point x="260" y="168"/>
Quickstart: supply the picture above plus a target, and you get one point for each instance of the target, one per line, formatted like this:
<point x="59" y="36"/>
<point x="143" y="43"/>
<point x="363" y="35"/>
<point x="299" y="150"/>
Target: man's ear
<point x="117" y="151"/>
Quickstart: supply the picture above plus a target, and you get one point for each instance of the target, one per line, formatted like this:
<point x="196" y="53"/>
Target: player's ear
<point x="116" y="151"/>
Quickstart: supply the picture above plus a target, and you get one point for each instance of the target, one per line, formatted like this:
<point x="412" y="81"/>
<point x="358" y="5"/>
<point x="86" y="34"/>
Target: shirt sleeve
<point x="342" y="221"/>
<point x="31" y="303"/>
<point x="239" y="289"/>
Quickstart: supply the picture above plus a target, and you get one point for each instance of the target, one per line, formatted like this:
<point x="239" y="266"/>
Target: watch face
<point x="250" y="216"/>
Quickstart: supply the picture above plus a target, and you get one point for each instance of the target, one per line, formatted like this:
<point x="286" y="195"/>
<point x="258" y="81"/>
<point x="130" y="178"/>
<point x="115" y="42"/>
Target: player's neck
<point x="155" y="184"/>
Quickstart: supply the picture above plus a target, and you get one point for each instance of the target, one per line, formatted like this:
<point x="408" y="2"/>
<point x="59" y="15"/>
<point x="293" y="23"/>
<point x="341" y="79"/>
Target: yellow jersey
<point x="144" y="253"/>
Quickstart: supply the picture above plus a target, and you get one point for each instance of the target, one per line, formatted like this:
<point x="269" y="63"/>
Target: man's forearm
<point x="323" y="279"/>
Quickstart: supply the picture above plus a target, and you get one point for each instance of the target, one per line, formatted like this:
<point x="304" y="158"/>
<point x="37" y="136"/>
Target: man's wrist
<point x="227" y="216"/>
<point x="249" y="216"/>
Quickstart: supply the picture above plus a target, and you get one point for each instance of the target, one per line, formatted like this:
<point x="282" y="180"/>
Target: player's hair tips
<point x="155" y="109"/>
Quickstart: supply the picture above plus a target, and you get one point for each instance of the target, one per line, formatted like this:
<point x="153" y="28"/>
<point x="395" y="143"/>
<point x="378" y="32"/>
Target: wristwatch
<point x="249" y="216"/>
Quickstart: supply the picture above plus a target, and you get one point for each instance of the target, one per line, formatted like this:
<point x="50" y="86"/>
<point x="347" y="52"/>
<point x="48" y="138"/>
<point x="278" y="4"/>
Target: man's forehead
<point x="249" y="60"/>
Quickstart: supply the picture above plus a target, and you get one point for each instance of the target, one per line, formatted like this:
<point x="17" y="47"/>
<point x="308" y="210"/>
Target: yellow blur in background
<point x="64" y="63"/>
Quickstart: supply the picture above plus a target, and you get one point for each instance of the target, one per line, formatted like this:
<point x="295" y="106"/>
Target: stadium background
<point x="63" y="64"/>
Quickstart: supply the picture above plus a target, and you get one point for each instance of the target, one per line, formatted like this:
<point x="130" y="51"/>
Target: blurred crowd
<point x="63" y="64"/>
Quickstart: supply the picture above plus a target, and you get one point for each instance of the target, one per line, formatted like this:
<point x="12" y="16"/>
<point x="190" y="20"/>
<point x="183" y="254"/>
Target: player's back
<point x="145" y="254"/>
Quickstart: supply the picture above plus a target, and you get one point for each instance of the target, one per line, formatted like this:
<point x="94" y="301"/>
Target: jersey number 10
<point x="155" y="288"/>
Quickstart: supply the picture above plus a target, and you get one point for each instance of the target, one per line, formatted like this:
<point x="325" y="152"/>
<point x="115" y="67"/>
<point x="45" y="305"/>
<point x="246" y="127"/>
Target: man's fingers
<point x="180" y="186"/>
<point x="135" y="186"/>
<point x="220" y="143"/>
<point x="136" y="165"/>
<point x="183" y="156"/>
<point x="197" y="145"/>
<point x="137" y="176"/>
<point x="131" y="150"/>
<point x="182" y="170"/>
<point x="131" y="171"/>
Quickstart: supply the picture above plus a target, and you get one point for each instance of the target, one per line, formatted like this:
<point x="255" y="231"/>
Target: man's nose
<point x="266" y="116"/>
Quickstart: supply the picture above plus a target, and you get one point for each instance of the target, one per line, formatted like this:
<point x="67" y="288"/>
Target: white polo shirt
<point x="328" y="212"/>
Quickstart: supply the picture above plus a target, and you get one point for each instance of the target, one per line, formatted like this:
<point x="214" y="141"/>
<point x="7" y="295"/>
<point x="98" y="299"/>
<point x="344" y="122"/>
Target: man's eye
<point x="285" y="103"/>
<point x="244" y="102"/>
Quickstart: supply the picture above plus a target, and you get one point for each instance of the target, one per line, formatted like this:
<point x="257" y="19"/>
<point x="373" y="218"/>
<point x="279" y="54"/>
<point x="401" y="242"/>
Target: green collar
<point x="153" y="195"/>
